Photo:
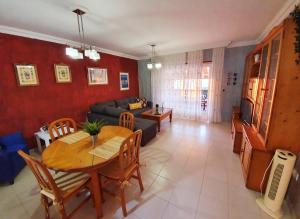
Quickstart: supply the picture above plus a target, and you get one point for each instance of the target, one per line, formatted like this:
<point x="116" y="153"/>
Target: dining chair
<point x="127" y="120"/>
<point x="124" y="168"/>
<point x="57" y="191"/>
<point x="61" y="127"/>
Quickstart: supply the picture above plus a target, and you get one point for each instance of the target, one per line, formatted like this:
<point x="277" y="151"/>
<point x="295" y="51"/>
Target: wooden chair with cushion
<point x="61" y="127"/>
<point x="57" y="190"/>
<point x="123" y="169"/>
<point x="127" y="120"/>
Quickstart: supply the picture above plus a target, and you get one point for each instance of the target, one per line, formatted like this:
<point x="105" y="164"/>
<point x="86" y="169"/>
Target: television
<point x="246" y="111"/>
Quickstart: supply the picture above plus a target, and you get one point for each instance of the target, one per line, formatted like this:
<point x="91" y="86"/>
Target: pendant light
<point x="152" y="64"/>
<point x="87" y="50"/>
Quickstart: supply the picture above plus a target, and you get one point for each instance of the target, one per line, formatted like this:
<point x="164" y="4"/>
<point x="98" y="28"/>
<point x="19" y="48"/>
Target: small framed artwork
<point x="26" y="75"/>
<point x="124" y="81"/>
<point x="62" y="73"/>
<point x="97" y="76"/>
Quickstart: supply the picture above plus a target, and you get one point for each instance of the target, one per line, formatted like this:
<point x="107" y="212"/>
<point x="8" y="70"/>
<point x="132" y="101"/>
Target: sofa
<point x="11" y="163"/>
<point x="110" y="111"/>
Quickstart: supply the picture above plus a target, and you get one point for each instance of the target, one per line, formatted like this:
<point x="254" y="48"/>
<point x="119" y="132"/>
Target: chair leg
<point x="123" y="201"/>
<point x="62" y="211"/>
<point x="140" y="179"/>
<point x="11" y="182"/>
<point x="45" y="204"/>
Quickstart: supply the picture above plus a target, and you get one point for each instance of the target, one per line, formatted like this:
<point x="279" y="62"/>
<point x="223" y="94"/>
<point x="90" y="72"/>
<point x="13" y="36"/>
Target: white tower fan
<point x="280" y="175"/>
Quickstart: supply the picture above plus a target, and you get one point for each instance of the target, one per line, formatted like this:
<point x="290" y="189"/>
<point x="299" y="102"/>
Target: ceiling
<point x="129" y="26"/>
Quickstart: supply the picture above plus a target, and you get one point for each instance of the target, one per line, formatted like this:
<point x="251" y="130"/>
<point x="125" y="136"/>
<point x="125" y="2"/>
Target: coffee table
<point x="163" y="113"/>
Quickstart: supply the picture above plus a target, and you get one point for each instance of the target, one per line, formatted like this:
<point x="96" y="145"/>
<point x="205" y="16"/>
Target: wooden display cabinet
<point x="275" y="93"/>
<point x="254" y="159"/>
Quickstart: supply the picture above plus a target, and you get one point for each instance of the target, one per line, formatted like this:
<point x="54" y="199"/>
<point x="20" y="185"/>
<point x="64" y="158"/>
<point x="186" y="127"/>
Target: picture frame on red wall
<point x="26" y="75"/>
<point x="62" y="73"/>
<point x="97" y="76"/>
<point x="124" y="81"/>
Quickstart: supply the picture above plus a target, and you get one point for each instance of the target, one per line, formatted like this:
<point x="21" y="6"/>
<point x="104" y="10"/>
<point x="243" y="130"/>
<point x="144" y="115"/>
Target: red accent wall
<point x="27" y="108"/>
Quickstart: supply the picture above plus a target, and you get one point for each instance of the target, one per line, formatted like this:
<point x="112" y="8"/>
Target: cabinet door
<point x="247" y="76"/>
<point x="247" y="157"/>
<point x="270" y="86"/>
<point x="261" y="84"/>
<point x="242" y="148"/>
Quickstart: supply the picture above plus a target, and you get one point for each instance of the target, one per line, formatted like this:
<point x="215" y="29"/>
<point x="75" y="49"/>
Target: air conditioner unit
<point x="280" y="175"/>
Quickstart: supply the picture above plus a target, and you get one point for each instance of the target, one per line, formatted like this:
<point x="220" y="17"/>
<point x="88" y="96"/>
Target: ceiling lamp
<point x="87" y="50"/>
<point x="152" y="64"/>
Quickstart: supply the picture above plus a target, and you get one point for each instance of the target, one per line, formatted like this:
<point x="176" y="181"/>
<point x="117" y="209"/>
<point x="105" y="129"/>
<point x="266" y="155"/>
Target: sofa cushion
<point x="113" y="111"/>
<point x="143" y="102"/>
<point x="12" y="139"/>
<point x="99" y="107"/>
<point x="134" y="106"/>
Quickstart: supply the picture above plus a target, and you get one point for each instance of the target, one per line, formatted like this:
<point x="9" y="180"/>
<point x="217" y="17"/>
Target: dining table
<point x="76" y="157"/>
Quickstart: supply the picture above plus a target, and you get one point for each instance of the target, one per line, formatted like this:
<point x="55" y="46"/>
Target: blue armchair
<point x="10" y="161"/>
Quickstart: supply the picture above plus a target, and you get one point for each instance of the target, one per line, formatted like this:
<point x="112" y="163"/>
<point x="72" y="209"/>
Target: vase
<point x="94" y="139"/>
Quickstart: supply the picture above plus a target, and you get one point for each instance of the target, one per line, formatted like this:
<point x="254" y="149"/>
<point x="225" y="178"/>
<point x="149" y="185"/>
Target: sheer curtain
<point x="215" y="86"/>
<point x="178" y="84"/>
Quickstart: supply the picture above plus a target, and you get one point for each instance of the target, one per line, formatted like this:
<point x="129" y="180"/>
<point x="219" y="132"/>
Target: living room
<point x="149" y="109"/>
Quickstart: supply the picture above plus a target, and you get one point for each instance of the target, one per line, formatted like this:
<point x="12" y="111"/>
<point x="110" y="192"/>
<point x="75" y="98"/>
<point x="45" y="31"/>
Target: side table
<point x="42" y="135"/>
<point x="45" y="136"/>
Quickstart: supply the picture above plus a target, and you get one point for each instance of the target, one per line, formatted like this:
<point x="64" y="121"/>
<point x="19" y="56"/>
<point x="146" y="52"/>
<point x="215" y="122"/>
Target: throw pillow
<point x="133" y="106"/>
<point x="143" y="101"/>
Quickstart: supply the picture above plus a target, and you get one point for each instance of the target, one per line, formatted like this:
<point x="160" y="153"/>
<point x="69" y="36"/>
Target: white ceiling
<point x="128" y="26"/>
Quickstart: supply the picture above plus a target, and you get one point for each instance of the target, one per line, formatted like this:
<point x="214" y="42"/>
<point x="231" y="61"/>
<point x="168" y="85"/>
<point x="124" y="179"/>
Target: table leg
<point x="171" y="114"/>
<point x="158" y="125"/>
<point x="96" y="192"/>
<point x="47" y="142"/>
<point x="38" y="142"/>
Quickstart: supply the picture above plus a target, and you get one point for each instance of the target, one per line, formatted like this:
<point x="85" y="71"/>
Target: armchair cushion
<point x="12" y="139"/>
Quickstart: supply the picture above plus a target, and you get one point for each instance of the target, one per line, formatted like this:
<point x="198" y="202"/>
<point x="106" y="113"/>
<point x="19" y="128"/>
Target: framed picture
<point x="62" y="73"/>
<point x="97" y="76"/>
<point x="124" y="81"/>
<point x="26" y="75"/>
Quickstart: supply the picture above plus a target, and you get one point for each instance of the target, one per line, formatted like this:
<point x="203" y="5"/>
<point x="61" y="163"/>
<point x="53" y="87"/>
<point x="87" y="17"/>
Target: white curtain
<point x="178" y="85"/>
<point x="215" y="86"/>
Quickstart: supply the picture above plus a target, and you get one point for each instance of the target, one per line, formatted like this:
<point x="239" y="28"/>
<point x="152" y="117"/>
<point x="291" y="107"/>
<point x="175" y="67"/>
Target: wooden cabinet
<point x="254" y="159"/>
<point x="275" y="90"/>
<point x="272" y="84"/>
<point x="236" y="130"/>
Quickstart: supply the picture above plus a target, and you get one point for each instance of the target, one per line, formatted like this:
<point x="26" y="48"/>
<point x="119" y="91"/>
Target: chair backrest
<point x="127" y="120"/>
<point x="42" y="174"/>
<point x="129" y="153"/>
<point x="61" y="127"/>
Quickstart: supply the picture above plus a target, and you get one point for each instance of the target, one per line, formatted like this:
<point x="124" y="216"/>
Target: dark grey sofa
<point x="110" y="111"/>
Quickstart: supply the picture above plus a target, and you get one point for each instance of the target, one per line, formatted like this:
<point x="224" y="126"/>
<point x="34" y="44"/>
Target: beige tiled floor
<point x="189" y="171"/>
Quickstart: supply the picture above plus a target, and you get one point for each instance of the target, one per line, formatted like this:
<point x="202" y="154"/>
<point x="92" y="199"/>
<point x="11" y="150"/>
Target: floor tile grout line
<point x="205" y="163"/>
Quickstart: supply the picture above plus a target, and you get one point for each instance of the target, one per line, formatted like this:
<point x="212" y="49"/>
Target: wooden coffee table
<point x="163" y="113"/>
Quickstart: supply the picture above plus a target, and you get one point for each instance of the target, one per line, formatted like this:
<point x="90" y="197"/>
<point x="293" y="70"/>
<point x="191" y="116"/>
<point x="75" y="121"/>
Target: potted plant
<point x="93" y="128"/>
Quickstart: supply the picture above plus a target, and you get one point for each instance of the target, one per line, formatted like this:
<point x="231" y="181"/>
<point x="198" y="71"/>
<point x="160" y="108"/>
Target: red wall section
<point x="27" y="108"/>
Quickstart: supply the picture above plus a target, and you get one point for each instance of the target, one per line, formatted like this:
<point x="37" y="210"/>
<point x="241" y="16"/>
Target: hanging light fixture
<point x="153" y="64"/>
<point x="87" y="50"/>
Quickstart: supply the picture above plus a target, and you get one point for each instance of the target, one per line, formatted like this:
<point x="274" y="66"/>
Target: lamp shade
<point x="150" y="66"/>
<point x="158" y="65"/>
<point x="71" y="52"/>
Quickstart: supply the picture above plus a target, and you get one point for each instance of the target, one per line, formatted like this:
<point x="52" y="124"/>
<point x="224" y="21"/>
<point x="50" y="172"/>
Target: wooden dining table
<point x="75" y="157"/>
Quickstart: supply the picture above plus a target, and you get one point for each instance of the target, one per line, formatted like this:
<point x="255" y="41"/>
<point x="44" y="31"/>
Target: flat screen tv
<point x="246" y="111"/>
